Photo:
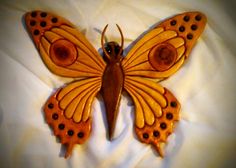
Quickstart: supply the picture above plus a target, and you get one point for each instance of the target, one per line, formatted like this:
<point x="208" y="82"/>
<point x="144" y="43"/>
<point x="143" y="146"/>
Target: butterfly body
<point x="157" y="55"/>
<point x="112" y="85"/>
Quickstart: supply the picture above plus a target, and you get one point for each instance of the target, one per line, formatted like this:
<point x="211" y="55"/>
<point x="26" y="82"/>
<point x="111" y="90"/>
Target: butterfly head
<point x="112" y="50"/>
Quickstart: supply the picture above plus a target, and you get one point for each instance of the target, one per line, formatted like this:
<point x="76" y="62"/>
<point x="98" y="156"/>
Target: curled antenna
<point x="122" y="39"/>
<point x="102" y="42"/>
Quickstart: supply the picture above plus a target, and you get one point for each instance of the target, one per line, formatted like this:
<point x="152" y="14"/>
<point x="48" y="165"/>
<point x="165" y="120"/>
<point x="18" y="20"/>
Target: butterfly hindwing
<point x="158" y="55"/>
<point x="68" y="111"/>
<point x="64" y="50"/>
<point x="156" y="110"/>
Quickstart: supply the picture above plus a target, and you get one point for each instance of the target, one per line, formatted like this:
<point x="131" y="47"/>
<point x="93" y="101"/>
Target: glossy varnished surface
<point x="157" y="55"/>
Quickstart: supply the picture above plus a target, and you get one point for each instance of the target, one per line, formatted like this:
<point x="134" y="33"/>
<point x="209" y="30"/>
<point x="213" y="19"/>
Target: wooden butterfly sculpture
<point x="157" y="55"/>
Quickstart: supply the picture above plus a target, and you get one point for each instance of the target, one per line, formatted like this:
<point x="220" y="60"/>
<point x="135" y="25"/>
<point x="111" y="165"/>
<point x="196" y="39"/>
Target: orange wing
<point x="157" y="55"/>
<point x="163" y="50"/>
<point x="66" y="52"/>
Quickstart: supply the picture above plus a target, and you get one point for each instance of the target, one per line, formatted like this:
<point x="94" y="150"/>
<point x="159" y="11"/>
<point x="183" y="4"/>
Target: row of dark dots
<point x="42" y="23"/>
<point x="61" y="126"/>
<point x="186" y="19"/>
<point x="163" y="126"/>
<point x="34" y="14"/>
<point x="156" y="133"/>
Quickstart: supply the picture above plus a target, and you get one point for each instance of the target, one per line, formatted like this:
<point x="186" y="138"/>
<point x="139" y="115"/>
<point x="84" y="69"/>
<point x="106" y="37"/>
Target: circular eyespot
<point x="173" y="104"/>
<point x="145" y="136"/>
<point x="80" y="134"/>
<point x="169" y="116"/>
<point x="70" y="132"/>
<point x="63" y="52"/>
<point x="54" y="20"/>
<point x="32" y="23"/>
<point x="55" y="116"/>
<point x="189" y="36"/>
<point x="162" y="56"/>
<point x="43" y="14"/>
<point x="198" y="17"/>
<point x="173" y="23"/>
<point x="163" y="126"/>
<point x="186" y="18"/>
<point x="61" y="126"/>
<point x="50" y="106"/>
<point x="181" y="28"/>
<point x="36" y="32"/>
<point x="194" y="27"/>
<point x="43" y="24"/>
<point x="34" y="14"/>
<point x="156" y="133"/>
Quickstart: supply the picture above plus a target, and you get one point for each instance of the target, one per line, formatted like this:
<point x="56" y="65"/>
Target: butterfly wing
<point x="163" y="50"/>
<point x="159" y="54"/>
<point x="66" y="52"/>
<point x="156" y="110"/>
<point x="68" y="111"/>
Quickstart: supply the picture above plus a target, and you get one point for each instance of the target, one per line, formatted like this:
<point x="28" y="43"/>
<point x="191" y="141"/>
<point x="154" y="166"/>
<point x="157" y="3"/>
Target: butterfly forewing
<point x="64" y="50"/>
<point x="163" y="50"/>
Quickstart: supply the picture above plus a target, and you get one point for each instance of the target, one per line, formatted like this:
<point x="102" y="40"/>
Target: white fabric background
<point x="206" y="85"/>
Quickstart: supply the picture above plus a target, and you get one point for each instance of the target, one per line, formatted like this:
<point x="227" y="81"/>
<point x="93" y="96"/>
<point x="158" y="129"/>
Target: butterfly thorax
<point x="112" y="85"/>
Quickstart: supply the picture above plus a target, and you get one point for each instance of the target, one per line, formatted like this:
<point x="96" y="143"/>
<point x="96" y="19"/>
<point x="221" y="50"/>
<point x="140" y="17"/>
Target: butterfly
<point x="156" y="55"/>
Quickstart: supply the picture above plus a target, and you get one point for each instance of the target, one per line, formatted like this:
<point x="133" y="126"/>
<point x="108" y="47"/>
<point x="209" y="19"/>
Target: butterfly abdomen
<point x="112" y="85"/>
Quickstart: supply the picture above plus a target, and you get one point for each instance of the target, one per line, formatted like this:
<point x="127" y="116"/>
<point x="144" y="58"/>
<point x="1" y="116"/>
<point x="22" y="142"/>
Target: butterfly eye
<point x="117" y="49"/>
<point x="108" y="49"/>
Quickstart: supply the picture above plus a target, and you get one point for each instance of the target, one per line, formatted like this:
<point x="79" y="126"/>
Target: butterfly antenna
<point x="102" y="42"/>
<point x="122" y="39"/>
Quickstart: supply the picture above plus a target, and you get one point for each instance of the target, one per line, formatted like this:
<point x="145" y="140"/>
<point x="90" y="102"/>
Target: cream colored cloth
<point x="205" y="86"/>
